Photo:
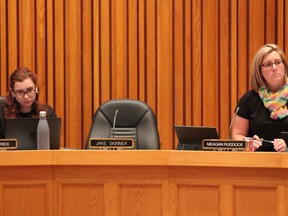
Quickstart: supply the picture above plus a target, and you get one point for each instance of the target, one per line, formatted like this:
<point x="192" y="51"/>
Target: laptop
<point x="25" y="131"/>
<point x="190" y="137"/>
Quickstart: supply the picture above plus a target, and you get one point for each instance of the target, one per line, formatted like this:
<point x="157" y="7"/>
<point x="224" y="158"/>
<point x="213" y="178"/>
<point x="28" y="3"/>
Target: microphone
<point x="232" y="121"/>
<point x="114" y="122"/>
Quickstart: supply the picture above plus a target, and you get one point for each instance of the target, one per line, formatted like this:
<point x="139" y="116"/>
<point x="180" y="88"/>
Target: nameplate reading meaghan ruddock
<point x="218" y="144"/>
<point x="111" y="143"/>
<point x="8" y="144"/>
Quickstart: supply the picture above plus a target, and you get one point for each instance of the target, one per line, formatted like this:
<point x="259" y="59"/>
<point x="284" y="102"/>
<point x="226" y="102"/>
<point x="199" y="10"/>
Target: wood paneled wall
<point x="188" y="59"/>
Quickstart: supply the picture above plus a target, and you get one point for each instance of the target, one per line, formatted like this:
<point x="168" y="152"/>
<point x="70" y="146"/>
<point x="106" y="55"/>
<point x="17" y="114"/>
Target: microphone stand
<point x="232" y="121"/>
<point x="114" y="125"/>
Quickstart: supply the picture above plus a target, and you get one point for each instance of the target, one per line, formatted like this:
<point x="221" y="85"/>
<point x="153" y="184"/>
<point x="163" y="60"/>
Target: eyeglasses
<point x="269" y="65"/>
<point x="21" y="93"/>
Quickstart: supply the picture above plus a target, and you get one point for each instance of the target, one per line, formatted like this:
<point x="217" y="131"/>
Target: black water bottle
<point x="43" y="133"/>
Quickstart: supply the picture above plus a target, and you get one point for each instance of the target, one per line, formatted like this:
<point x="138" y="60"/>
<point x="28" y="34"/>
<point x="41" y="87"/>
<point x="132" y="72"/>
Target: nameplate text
<point x="216" y="144"/>
<point x="8" y="144"/>
<point x="111" y="143"/>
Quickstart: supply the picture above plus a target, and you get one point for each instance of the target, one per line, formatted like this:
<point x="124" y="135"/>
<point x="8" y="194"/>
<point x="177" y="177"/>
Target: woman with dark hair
<point x="22" y="98"/>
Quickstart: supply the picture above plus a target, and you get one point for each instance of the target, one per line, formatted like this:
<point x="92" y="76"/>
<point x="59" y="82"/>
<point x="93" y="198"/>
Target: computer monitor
<point x="25" y="131"/>
<point x="190" y="137"/>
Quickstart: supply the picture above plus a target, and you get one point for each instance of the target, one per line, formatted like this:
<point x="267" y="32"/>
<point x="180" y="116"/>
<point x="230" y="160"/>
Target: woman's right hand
<point x="257" y="142"/>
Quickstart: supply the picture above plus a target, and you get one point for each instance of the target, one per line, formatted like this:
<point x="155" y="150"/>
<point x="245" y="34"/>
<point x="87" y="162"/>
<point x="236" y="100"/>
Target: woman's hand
<point x="279" y="145"/>
<point x="257" y="142"/>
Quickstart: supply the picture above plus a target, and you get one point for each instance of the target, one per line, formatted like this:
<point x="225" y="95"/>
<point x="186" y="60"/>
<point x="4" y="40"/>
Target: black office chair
<point x="133" y="119"/>
<point x="2" y="100"/>
<point x="2" y="103"/>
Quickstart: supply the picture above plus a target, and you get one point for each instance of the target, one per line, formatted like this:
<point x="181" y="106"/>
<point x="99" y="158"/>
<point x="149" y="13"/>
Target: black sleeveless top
<point x="253" y="109"/>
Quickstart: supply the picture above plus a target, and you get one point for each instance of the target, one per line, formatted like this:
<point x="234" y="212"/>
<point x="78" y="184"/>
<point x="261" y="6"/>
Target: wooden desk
<point x="127" y="183"/>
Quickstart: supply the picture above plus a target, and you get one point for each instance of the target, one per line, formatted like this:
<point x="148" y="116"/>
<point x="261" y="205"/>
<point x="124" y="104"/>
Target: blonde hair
<point x="256" y="78"/>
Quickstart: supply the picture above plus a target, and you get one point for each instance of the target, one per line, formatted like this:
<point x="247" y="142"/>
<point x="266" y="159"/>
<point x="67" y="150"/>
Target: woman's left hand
<point x="279" y="145"/>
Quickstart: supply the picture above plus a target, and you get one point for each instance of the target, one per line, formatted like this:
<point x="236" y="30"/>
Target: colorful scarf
<point x="275" y="102"/>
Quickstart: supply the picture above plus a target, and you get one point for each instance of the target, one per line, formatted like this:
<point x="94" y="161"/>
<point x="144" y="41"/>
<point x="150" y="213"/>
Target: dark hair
<point x="12" y="106"/>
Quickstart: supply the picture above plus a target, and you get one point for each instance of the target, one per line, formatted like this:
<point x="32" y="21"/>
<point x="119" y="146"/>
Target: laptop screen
<point x="190" y="137"/>
<point x="25" y="131"/>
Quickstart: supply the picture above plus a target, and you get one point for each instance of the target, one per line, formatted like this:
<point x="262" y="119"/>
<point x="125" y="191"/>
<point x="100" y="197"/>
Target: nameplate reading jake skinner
<point x="8" y="144"/>
<point x="214" y="144"/>
<point x="111" y="143"/>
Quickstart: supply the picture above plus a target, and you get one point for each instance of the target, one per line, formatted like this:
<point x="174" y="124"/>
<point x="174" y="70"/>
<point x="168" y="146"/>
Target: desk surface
<point x="144" y="158"/>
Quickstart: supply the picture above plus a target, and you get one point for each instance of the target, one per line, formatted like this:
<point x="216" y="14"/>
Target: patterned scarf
<point x="275" y="103"/>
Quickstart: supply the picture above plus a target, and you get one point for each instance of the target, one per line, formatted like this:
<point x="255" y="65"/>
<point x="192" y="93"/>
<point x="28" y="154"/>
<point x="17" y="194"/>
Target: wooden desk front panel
<point x="26" y="191"/>
<point x="143" y="183"/>
<point x="171" y="191"/>
<point x="229" y="191"/>
<point x="113" y="190"/>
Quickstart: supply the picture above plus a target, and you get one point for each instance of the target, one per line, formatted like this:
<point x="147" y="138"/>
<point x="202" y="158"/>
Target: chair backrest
<point x="2" y="100"/>
<point x="2" y="103"/>
<point x="134" y="118"/>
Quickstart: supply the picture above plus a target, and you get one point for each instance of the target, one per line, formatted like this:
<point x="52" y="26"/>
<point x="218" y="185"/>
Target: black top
<point x="252" y="108"/>
<point x="49" y="111"/>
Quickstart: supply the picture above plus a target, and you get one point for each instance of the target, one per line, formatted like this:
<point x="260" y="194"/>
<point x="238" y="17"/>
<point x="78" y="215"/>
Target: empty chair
<point x="126" y="118"/>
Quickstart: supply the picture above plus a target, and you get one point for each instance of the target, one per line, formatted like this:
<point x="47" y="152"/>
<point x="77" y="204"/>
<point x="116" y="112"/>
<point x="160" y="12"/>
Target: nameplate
<point x="216" y="144"/>
<point x="111" y="143"/>
<point x="8" y="144"/>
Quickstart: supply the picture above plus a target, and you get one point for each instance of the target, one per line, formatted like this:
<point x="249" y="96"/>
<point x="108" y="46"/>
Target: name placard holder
<point x="224" y="144"/>
<point x="6" y="144"/>
<point x="111" y="143"/>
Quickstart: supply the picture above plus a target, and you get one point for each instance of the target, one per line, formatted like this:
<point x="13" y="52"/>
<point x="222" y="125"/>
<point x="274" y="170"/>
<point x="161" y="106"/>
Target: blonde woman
<point x="262" y="112"/>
